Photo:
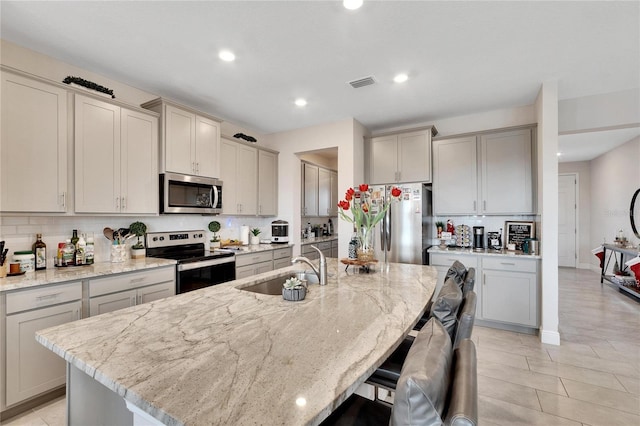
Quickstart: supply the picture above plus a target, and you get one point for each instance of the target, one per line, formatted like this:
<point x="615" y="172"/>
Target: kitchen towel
<point x="244" y="235"/>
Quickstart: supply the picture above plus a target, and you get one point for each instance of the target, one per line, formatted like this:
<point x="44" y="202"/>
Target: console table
<point x="621" y="255"/>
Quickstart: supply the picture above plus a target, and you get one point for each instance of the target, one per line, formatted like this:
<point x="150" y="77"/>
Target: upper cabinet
<point x="320" y="191"/>
<point x="402" y="157"/>
<point x="267" y="183"/>
<point x="190" y="140"/>
<point x="487" y="174"/>
<point x="115" y="158"/>
<point x="249" y="178"/>
<point x="33" y="146"/>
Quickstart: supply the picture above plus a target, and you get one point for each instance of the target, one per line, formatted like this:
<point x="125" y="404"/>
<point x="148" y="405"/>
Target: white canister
<point x="26" y="259"/>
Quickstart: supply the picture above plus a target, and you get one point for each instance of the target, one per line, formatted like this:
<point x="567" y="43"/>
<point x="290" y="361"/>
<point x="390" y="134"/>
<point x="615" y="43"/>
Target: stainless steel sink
<point x="274" y="285"/>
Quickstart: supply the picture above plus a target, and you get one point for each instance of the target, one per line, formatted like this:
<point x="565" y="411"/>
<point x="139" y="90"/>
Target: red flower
<point x="349" y="195"/>
<point x="363" y="187"/>
<point x="344" y="205"/>
<point x="396" y="191"/>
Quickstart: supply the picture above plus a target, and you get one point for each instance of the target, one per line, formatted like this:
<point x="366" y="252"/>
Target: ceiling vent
<point x="361" y="82"/>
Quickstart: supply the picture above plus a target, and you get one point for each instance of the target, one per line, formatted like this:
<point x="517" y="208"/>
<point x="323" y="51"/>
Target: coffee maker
<point x="478" y="237"/>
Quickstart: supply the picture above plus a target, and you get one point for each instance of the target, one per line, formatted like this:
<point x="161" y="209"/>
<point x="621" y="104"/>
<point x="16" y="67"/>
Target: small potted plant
<point x="294" y="289"/>
<point x="440" y="228"/>
<point x="137" y="250"/>
<point x="214" y="227"/>
<point x="255" y="239"/>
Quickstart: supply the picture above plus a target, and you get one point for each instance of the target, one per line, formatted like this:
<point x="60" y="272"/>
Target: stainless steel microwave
<point x="187" y="194"/>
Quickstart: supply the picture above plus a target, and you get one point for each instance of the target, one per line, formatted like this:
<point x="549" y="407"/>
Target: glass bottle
<point x="89" y="251"/>
<point x="40" y="250"/>
<point x="80" y="250"/>
<point x="74" y="238"/>
<point x="353" y="245"/>
<point x="68" y="253"/>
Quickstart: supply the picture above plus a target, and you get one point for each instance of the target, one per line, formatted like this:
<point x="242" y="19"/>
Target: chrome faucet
<point x="321" y="271"/>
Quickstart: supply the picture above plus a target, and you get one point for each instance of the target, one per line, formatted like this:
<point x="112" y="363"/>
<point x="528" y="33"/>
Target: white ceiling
<point x="587" y="146"/>
<point x="461" y="57"/>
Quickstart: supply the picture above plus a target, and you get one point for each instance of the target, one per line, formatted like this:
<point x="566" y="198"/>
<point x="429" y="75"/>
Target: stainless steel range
<point x="197" y="267"/>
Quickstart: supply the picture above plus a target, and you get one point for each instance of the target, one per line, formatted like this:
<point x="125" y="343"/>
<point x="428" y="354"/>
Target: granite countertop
<point x="484" y="252"/>
<point x="53" y="275"/>
<point x="221" y="355"/>
<point x="319" y="239"/>
<point x="255" y="248"/>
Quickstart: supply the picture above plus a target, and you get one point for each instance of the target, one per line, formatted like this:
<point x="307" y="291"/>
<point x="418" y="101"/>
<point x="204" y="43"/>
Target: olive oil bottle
<point x="40" y="251"/>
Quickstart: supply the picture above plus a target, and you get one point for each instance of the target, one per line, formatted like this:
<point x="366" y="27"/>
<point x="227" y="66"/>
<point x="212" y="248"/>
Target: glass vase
<point x="365" y="250"/>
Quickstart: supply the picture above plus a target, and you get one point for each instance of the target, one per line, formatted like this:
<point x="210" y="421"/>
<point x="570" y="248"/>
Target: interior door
<point x="567" y="211"/>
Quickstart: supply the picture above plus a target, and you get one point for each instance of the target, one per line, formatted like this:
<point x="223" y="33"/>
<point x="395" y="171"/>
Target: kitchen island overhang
<point x="222" y="355"/>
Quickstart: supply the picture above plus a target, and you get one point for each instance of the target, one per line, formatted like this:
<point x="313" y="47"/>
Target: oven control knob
<point x="161" y="238"/>
<point x="155" y="238"/>
<point x="199" y="235"/>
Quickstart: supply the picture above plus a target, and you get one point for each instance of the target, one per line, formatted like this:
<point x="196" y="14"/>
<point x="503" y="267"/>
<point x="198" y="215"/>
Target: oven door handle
<point x="205" y="263"/>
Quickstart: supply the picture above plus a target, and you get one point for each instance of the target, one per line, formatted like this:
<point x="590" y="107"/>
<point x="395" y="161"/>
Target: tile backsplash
<point x="19" y="232"/>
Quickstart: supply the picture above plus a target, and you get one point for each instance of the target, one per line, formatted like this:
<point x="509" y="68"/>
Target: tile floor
<point x="591" y="379"/>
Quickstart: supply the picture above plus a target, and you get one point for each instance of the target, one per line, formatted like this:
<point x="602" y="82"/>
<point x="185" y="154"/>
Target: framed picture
<point x="517" y="232"/>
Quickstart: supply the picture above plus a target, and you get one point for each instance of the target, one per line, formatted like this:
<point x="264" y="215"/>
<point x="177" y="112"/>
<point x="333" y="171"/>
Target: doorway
<point x="567" y="219"/>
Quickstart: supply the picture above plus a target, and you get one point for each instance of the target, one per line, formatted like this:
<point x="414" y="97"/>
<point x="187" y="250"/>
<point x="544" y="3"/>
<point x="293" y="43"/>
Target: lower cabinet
<point x="334" y="248"/>
<point x="443" y="262"/>
<point x="510" y="291"/>
<point x="507" y="287"/>
<point x="251" y="264"/>
<point x="282" y="258"/>
<point x="31" y="369"/>
<point x="310" y="253"/>
<point x="134" y="288"/>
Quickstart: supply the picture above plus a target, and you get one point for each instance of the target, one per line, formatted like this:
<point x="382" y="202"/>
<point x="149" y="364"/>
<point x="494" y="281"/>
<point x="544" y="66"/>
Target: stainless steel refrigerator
<point x="406" y="232"/>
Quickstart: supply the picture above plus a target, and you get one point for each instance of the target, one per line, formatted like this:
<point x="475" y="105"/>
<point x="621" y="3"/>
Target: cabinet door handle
<point x="474" y="206"/>
<point x="76" y="313"/>
<point x="193" y="167"/>
<point x="139" y="299"/>
<point x="197" y="167"/>
<point x="484" y="205"/>
<point x="507" y="263"/>
<point x="117" y="203"/>
<point x="63" y="199"/>
<point x="133" y="301"/>
<point x="124" y="206"/>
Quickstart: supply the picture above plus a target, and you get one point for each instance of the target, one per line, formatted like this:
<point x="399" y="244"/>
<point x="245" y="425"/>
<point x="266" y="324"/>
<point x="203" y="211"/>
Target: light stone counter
<point x="221" y="355"/>
<point x="484" y="252"/>
<point x="254" y="248"/>
<point x="56" y="275"/>
<point x="316" y="240"/>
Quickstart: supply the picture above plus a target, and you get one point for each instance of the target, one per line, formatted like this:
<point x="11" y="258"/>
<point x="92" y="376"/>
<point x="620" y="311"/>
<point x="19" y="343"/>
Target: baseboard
<point x="550" y="337"/>
<point x="32" y="403"/>
<point x="507" y="327"/>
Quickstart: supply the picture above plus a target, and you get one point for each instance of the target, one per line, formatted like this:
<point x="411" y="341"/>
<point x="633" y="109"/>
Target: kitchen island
<point x="223" y="355"/>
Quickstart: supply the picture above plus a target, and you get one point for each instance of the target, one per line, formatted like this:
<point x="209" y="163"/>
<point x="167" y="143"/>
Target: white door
<point x="567" y="220"/>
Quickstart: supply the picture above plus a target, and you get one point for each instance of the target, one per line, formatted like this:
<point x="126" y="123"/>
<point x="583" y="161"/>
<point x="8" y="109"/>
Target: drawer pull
<point x="49" y="296"/>
<point x="137" y="280"/>
<point x="508" y="263"/>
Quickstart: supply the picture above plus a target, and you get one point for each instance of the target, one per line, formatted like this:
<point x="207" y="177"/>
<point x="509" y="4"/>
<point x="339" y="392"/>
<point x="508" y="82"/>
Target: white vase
<point x="138" y="253"/>
<point x="214" y="245"/>
<point x="255" y="240"/>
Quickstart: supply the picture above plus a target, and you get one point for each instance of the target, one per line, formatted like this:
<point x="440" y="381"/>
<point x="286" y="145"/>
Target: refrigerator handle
<point x="388" y="229"/>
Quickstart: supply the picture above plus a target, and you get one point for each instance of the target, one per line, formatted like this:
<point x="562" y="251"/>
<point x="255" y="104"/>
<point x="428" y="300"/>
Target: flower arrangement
<point x="255" y="231"/>
<point x="366" y="212"/>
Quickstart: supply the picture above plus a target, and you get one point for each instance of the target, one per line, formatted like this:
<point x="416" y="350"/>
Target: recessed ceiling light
<point x="559" y="154"/>
<point x="301" y="102"/>
<point x="401" y="78"/>
<point x="352" y="4"/>
<point x="227" y="55"/>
